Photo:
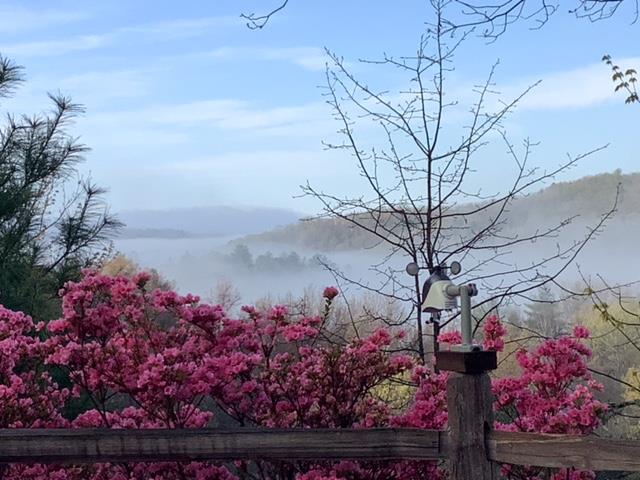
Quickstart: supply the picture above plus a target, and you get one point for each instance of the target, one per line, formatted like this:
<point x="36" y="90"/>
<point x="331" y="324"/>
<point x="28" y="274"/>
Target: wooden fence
<point x="473" y="449"/>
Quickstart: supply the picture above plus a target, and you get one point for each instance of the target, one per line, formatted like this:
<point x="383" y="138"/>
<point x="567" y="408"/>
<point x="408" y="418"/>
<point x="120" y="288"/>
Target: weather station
<point x="440" y="294"/>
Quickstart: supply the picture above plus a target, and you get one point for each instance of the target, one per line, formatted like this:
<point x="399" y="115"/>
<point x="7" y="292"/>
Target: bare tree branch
<point x="495" y="18"/>
<point x="415" y="204"/>
<point x="257" y="22"/>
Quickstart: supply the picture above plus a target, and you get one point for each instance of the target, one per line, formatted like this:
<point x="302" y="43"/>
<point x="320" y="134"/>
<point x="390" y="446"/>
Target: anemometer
<point x="439" y="293"/>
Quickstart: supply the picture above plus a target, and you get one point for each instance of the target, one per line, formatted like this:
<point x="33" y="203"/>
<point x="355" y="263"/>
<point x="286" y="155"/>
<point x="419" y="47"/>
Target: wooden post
<point x="469" y="402"/>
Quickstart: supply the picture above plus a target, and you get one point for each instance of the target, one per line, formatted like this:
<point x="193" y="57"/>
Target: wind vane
<point x="439" y="293"/>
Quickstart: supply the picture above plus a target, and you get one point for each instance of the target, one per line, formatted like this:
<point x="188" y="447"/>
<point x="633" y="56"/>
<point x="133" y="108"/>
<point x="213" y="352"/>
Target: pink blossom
<point x="452" y="338"/>
<point x="330" y="293"/>
<point x="494" y="334"/>
<point x="580" y="332"/>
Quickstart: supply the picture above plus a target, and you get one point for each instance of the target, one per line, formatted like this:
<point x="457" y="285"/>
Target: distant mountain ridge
<point x="215" y="221"/>
<point x="588" y="197"/>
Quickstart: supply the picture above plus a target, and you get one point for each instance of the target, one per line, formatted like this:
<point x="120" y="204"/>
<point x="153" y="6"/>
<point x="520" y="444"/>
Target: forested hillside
<point x="583" y="200"/>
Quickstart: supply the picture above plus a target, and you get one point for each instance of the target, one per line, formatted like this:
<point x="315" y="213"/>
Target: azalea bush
<point x="156" y="359"/>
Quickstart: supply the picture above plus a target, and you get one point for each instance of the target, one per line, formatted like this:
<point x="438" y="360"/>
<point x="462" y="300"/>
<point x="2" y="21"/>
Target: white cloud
<point x="183" y="27"/>
<point x="576" y="88"/>
<point x="96" y="90"/>
<point x="163" y="30"/>
<point x="146" y="141"/>
<point x="99" y="86"/>
<point x="287" y="162"/>
<point x="19" y="19"/>
<point x="310" y="119"/>
<point x="56" y="47"/>
<point x="239" y="115"/>
<point x="310" y="58"/>
<point x="262" y="175"/>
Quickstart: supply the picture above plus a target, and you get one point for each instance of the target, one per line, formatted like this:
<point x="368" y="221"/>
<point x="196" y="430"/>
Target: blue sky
<point x="186" y="106"/>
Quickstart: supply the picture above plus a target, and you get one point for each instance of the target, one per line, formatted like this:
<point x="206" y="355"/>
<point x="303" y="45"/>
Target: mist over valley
<point x="273" y="252"/>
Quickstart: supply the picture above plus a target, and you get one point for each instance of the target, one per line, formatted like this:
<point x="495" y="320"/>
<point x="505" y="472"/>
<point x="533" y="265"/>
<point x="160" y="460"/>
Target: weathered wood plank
<point x="582" y="452"/>
<point x="472" y="362"/>
<point x="104" y="445"/>
<point x="469" y="402"/>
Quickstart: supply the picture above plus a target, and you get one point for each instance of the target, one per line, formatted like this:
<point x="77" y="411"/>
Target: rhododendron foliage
<point x="141" y="359"/>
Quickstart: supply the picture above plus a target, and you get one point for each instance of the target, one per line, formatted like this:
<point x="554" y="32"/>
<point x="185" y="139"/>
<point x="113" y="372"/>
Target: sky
<point x="186" y="106"/>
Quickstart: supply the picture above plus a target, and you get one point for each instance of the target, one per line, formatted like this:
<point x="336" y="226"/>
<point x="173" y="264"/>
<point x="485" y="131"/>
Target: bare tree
<point x="419" y="206"/>
<point x="494" y="18"/>
<point x="226" y="294"/>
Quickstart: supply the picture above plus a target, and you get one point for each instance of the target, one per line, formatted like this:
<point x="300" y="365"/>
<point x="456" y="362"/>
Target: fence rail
<point x="582" y="452"/>
<point x="473" y="449"/>
<point x="107" y="445"/>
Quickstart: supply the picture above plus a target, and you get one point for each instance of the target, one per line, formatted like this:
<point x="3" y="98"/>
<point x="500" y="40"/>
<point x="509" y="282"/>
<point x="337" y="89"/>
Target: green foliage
<point x="52" y="223"/>
<point x="625" y="80"/>
<point x="615" y="340"/>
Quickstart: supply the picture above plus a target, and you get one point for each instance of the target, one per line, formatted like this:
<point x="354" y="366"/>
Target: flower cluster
<point x="140" y="359"/>
<point x="454" y="337"/>
<point x="554" y="394"/>
<point x="494" y="333"/>
<point x="28" y="395"/>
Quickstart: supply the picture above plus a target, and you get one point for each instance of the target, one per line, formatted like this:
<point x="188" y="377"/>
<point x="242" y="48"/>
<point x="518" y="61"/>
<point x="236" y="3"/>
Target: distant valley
<point x="586" y="199"/>
<point x="263" y="250"/>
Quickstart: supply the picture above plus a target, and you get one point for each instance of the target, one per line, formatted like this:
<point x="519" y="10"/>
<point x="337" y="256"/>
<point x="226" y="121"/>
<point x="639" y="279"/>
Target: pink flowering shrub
<point x="156" y="359"/>
<point x="554" y="394"/>
<point x="28" y="396"/>
<point x="267" y="369"/>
